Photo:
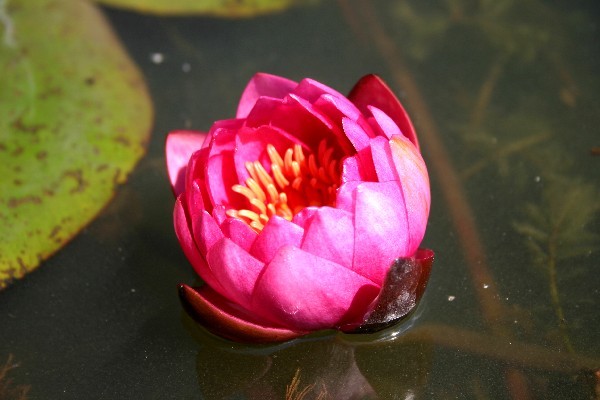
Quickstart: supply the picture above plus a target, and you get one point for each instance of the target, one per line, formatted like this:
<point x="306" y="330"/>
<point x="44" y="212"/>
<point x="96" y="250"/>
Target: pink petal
<point x="219" y="213"/>
<point x="372" y="91"/>
<point x="235" y="269"/>
<point x="355" y="133"/>
<point x="383" y="123"/>
<point x="303" y="218"/>
<point x="195" y="199"/>
<point x="306" y="292"/>
<point x="190" y="249"/>
<point x="263" y="84"/>
<point x="251" y="145"/>
<point x="336" y="107"/>
<point x="179" y="147"/>
<point x="381" y="229"/>
<point x="361" y="143"/>
<point x="226" y="320"/>
<point x="239" y="232"/>
<point x="195" y="188"/>
<point x="278" y="232"/>
<point x="206" y="232"/>
<point x="414" y="181"/>
<point x="262" y="111"/>
<point x="220" y="172"/>
<point x="346" y="196"/>
<point x="333" y="127"/>
<point x="300" y="119"/>
<point x="231" y="125"/>
<point x="330" y="235"/>
<point x="382" y="158"/>
<point x="221" y="176"/>
<point x="311" y="90"/>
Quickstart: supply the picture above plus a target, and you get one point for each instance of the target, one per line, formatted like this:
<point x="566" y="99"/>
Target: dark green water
<point x="510" y="88"/>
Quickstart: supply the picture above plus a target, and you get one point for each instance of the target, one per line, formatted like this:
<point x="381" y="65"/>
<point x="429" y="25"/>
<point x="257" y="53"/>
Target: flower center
<point x="294" y="183"/>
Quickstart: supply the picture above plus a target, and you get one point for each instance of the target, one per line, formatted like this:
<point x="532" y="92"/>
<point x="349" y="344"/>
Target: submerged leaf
<point x="75" y="116"/>
<point x="220" y="8"/>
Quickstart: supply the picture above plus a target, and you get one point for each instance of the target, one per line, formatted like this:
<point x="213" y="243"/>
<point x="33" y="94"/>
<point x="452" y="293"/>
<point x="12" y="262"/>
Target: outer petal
<point x="382" y="158"/>
<point x="263" y="84"/>
<point x="306" y="292"/>
<point x="235" y="269"/>
<point x="196" y="195"/>
<point x="412" y="174"/>
<point x="191" y="251"/>
<point x="278" y="232"/>
<point x="372" y="91"/>
<point x="206" y="232"/>
<point x="224" y="319"/>
<point x="330" y="235"/>
<point x="381" y="229"/>
<point x="239" y="232"/>
<point x="179" y="147"/>
<point x="346" y="196"/>
<point x="398" y="160"/>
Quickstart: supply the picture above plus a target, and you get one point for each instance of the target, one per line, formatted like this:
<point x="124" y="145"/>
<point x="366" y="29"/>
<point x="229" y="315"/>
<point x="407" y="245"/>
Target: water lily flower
<point x="295" y="213"/>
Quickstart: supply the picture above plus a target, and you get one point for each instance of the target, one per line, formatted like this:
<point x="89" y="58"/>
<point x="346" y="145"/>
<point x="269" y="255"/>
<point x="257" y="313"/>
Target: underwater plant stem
<point x="486" y="91"/>
<point x="8" y="390"/>
<point x="494" y="313"/>
<point x="442" y="167"/>
<point x="508" y="351"/>
<point x="554" y="294"/>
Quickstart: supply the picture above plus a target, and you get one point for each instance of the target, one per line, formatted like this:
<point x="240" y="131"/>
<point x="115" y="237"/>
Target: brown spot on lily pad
<point x="19" y="201"/>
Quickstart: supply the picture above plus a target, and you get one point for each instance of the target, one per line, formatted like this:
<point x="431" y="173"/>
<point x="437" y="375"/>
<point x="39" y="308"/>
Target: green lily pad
<point x="75" y="117"/>
<point x="220" y="8"/>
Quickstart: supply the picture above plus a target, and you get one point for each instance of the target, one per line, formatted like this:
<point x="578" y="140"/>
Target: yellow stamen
<point x="295" y="181"/>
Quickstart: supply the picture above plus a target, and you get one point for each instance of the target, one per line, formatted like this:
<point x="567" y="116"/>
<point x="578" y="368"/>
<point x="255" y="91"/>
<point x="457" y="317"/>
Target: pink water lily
<point x="294" y="212"/>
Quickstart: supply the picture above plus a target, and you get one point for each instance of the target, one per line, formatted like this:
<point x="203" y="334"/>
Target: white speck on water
<point x="485" y="286"/>
<point x="132" y="290"/>
<point x="451" y="298"/>
<point x="186" y="67"/>
<point x="157" y="58"/>
<point x="538" y="179"/>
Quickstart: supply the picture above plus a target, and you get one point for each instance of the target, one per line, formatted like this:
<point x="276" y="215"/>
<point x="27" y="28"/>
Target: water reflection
<point x="321" y="366"/>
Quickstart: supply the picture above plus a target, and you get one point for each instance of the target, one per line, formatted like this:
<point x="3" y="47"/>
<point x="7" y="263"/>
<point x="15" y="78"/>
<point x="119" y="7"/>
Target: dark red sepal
<point x="371" y="90"/>
<point x="223" y="319"/>
<point x="402" y="289"/>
